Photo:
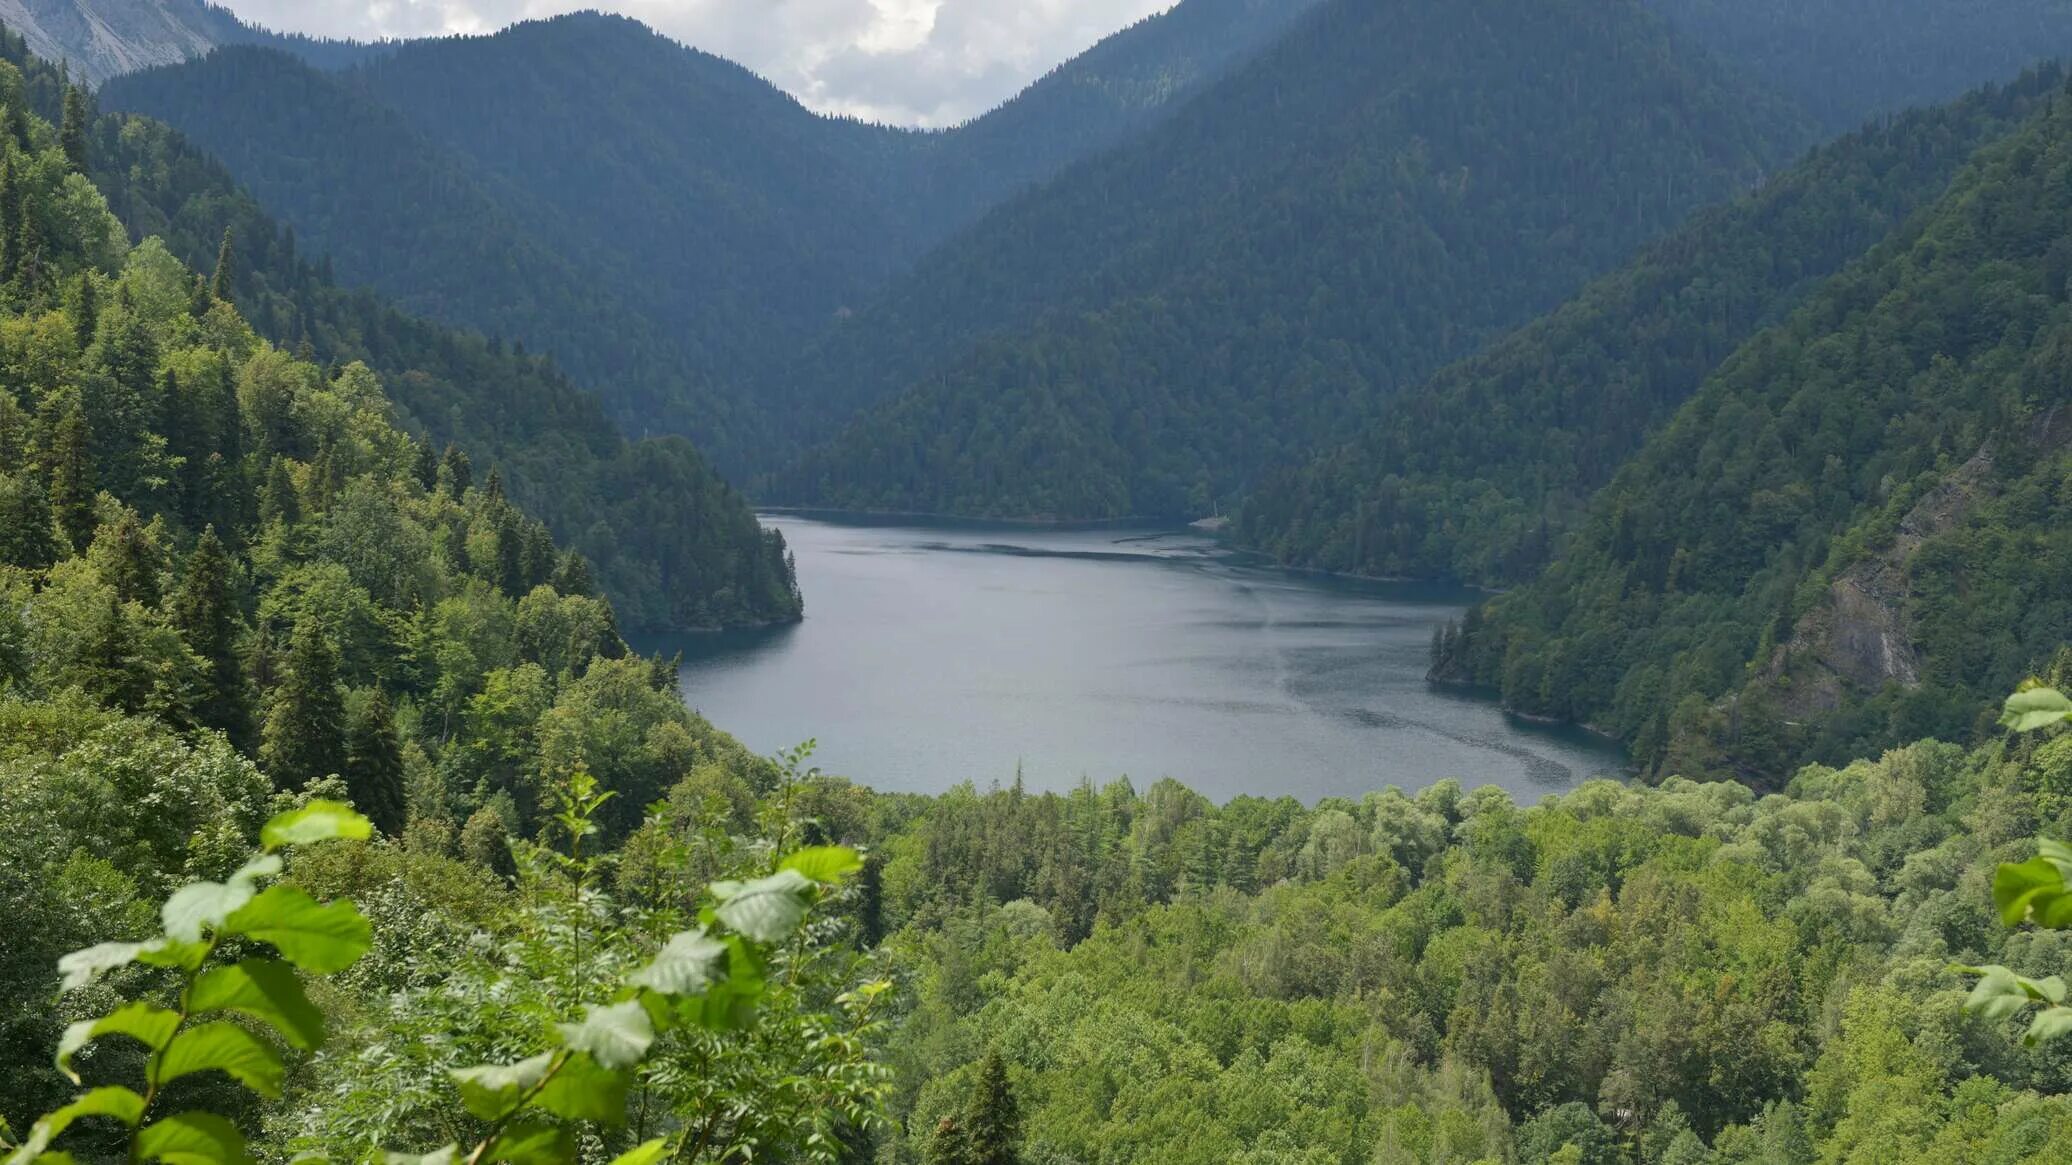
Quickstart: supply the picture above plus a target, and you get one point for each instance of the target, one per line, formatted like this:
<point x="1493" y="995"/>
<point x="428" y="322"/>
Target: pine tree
<point x="204" y="611"/>
<point x="374" y="764"/>
<point x="992" y="1119"/>
<point x="222" y="284"/>
<point x="304" y="737"/>
<point x="73" y="135"/>
<point x="68" y="462"/>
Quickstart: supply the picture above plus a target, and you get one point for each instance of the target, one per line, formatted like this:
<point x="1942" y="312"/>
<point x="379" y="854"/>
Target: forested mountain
<point x="1375" y="194"/>
<point x="1847" y="61"/>
<point x="1478" y="473"/>
<point x="670" y="542"/>
<point x="668" y="225"/>
<point x="1851" y="532"/>
<point x="99" y="39"/>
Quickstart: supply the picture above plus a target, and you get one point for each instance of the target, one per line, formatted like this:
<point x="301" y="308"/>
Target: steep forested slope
<point x="663" y="221"/>
<point x="1847" y="61"/>
<point x="671" y="542"/>
<point x="1373" y="195"/>
<point x="99" y="39"/>
<point x="1857" y="519"/>
<point x="1479" y="472"/>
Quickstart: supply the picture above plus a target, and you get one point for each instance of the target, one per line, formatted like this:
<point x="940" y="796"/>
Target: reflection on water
<point x="940" y="653"/>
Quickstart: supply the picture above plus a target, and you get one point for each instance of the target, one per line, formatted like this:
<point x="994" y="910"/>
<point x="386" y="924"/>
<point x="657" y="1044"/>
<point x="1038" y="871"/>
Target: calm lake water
<point x="939" y="653"/>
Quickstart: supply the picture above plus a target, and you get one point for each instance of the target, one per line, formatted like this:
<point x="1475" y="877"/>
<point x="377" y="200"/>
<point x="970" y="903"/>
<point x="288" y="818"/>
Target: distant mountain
<point x="1853" y="535"/>
<point x="668" y="540"/>
<point x="662" y="220"/>
<point x="1847" y="61"/>
<point x="1387" y="186"/>
<point x="1479" y="473"/>
<point x="100" y="39"/>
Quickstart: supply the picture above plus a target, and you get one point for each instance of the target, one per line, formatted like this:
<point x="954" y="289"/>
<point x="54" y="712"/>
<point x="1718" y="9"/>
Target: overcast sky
<point x="909" y="62"/>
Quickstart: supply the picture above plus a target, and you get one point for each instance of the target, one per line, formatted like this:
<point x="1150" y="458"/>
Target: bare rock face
<point x="101" y="38"/>
<point x="1856" y="637"/>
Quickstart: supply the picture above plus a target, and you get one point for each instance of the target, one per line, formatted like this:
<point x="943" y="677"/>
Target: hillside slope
<point x="1853" y="533"/>
<point x="1478" y="473"/>
<point x="1384" y="188"/>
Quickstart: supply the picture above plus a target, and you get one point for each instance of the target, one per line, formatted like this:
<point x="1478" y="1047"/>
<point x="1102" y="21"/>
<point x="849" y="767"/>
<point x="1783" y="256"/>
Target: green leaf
<point x="826" y="864"/>
<point x="492" y="1091"/>
<point x="193" y="1138"/>
<point x="2036" y="708"/>
<point x="315" y="822"/>
<point x="119" y="1103"/>
<point x="643" y="1154"/>
<point x="84" y="966"/>
<point x="150" y="1026"/>
<point x="266" y="990"/>
<point x="320" y="939"/>
<point x="534" y="1143"/>
<point x="683" y="966"/>
<point x="226" y="1047"/>
<point x="2035" y="891"/>
<point x="616" y="1036"/>
<point x="585" y="1090"/>
<point x="201" y="907"/>
<point x="2051" y="1023"/>
<point x="178" y="956"/>
<point x="1997" y="995"/>
<point x="767" y="909"/>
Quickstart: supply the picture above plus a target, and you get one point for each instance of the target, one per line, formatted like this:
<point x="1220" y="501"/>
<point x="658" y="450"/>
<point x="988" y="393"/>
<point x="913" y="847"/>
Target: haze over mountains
<point x="1282" y="261"/>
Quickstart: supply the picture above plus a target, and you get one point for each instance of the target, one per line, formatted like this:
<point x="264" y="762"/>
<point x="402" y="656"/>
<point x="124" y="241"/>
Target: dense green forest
<point x="670" y="542"/>
<point x="1479" y="473"/>
<point x="1376" y="194"/>
<point x="668" y="225"/>
<point x="1848" y="61"/>
<point x="1849" y="537"/>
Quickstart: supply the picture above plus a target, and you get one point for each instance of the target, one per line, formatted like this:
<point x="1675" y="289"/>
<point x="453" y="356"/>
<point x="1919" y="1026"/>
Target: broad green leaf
<point x="2034" y="891"/>
<point x="265" y="989"/>
<point x="824" y="863"/>
<point x="193" y="1138"/>
<point x="226" y="1047"/>
<point x="491" y="1091"/>
<point x="2051" y="1023"/>
<point x="643" y="1154"/>
<point x="587" y="1091"/>
<point x="1997" y="995"/>
<point x="201" y="907"/>
<point x="767" y="909"/>
<point x="83" y="967"/>
<point x="449" y="1155"/>
<point x="315" y="822"/>
<point x="118" y="1103"/>
<point x="534" y="1143"/>
<point x="318" y="938"/>
<point x="2036" y="708"/>
<point x="683" y="966"/>
<point x="150" y="1026"/>
<point x="178" y="956"/>
<point x="616" y="1036"/>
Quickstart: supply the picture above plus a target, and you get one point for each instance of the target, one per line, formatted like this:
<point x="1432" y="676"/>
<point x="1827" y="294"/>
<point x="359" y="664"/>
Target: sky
<point x="905" y="62"/>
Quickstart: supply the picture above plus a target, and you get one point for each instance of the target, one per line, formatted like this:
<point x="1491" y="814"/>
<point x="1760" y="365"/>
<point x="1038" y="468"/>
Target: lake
<point x="935" y="653"/>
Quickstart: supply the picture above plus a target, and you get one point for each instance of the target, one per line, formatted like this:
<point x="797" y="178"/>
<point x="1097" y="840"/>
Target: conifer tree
<point x="72" y="136"/>
<point x="127" y="559"/>
<point x="28" y="537"/>
<point x="68" y="461"/>
<point x="221" y="285"/>
<point x="427" y="467"/>
<point x="949" y="1146"/>
<point x="458" y="472"/>
<point x="86" y="311"/>
<point x="992" y="1119"/>
<point x="204" y="611"/>
<point x="280" y="502"/>
<point x="304" y="737"/>
<point x="374" y="764"/>
<point x="10" y="221"/>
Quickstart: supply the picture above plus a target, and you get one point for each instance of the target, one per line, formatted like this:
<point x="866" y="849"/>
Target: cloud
<point x="910" y="62"/>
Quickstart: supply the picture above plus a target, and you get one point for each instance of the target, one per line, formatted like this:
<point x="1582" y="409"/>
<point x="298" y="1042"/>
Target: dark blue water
<point x="939" y="653"/>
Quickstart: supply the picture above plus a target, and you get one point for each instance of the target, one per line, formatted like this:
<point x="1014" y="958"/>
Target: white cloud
<point x="911" y="62"/>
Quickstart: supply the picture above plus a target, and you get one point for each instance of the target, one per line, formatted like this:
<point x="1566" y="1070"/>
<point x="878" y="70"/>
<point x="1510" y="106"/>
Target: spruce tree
<point x="10" y="221"/>
<point x="374" y="764"/>
<point x="204" y="611"/>
<point x="457" y="471"/>
<point x="68" y="462"/>
<point x="304" y="737"/>
<point x="72" y="136"/>
<point x="222" y="284"/>
<point x="427" y="467"/>
<point x="949" y="1145"/>
<point x="86" y="311"/>
<point x="28" y="537"/>
<point x="992" y="1119"/>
